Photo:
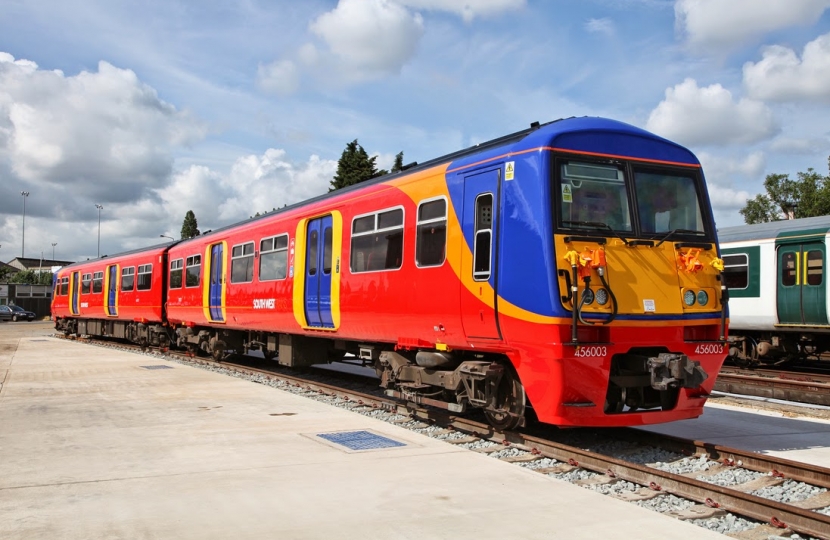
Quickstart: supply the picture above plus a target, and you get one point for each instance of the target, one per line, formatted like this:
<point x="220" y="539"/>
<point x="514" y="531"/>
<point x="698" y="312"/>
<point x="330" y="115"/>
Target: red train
<point x="533" y="270"/>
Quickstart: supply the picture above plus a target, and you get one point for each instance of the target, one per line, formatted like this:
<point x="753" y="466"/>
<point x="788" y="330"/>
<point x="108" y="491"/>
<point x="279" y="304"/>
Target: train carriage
<point x="776" y="278"/>
<point x="120" y="296"/>
<point x="571" y="267"/>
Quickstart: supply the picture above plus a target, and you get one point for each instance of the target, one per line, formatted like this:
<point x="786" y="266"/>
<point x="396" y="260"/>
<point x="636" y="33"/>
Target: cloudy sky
<point x="154" y="107"/>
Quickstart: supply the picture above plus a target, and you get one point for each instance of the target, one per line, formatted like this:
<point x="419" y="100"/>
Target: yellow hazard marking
<point x="508" y="170"/>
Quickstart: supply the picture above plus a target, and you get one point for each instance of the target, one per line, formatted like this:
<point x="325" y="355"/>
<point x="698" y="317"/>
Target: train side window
<point x="312" y="254"/>
<point x="815" y="267"/>
<point x="788" y="269"/>
<point x="193" y="271"/>
<point x="86" y="283"/>
<point x="145" y="277"/>
<point x="327" y="236"/>
<point x="483" y="237"/>
<point x="128" y="278"/>
<point x="64" y="286"/>
<point x="431" y="241"/>
<point x="98" y="282"/>
<point x="176" y="273"/>
<point x="273" y="258"/>
<point x="736" y="271"/>
<point x="242" y="263"/>
<point x="377" y="241"/>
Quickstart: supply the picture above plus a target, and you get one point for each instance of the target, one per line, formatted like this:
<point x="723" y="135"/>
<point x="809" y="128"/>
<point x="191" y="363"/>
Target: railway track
<point x="775" y="384"/>
<point x="632" y="465"/>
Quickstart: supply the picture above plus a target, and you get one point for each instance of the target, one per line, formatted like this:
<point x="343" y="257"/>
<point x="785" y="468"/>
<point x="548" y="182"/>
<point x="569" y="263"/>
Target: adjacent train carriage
<point x="571" y="267"/>
<point x="779" y="301"/>
<point x="120" y="297"/>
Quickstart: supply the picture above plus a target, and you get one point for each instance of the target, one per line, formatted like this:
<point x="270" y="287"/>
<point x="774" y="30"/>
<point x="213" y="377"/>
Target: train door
<point x="479" y="310"/>
<point x="74" y="294"/>
<point x="217" y="280"/>
<point x="318" y="272"/>
<point x="112" y="290"/>
<point x="802" y="297"/>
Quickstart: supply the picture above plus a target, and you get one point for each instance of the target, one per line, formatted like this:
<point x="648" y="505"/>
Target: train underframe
<point x="775" y="348"/>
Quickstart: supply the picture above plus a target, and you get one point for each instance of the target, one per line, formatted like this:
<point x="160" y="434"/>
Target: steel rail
<point x="786" y="388"/>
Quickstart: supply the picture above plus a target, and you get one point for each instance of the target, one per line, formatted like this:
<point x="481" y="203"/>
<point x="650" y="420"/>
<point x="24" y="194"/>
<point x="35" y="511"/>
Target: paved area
<point x="799" y="438"/>
<point x="95" y="445"/>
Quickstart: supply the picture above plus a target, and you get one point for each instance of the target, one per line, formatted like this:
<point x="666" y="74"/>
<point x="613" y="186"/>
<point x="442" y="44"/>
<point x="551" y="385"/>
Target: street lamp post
<point x="53" y="250"/>
<point x="165" y="236"/>
<point x="23" y="242"/>
<point x="99" y="207"/>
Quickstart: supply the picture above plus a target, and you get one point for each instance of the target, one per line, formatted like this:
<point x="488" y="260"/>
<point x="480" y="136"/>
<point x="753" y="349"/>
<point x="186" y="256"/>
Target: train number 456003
<point x="591" y="352"/>
<point x="709" y="348"/>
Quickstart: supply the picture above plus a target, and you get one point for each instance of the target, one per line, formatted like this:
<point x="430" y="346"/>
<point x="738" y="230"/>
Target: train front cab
<point x="639" y="277"/>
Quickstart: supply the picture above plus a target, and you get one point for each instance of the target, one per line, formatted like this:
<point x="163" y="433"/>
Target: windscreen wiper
<point x="679" y="231"/>
<point x="597" y="225"/>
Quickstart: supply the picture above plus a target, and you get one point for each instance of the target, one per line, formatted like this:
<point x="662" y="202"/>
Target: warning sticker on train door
<point x="509" y="170"/>
<point x="567" y="194"/>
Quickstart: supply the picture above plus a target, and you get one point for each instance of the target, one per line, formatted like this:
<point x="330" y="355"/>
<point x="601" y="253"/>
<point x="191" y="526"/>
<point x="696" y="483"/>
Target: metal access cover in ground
<point x="360" y="440"/>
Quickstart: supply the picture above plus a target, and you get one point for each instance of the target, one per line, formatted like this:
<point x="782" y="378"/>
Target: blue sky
<point x="152" y="108"/>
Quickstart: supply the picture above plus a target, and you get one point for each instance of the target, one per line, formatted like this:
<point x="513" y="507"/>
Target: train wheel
<point x="509" y="410"/>
<point x="269" y="355"/>
<point x="218" y="351"/>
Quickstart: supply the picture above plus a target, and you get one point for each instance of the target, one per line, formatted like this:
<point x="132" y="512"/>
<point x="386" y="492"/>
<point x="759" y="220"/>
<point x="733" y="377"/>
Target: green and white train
<point x="776" y="276"/>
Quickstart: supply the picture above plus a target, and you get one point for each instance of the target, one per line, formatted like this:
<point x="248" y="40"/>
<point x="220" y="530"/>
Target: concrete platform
<point x="799" y="438"/>
<point x="93" y="445"/>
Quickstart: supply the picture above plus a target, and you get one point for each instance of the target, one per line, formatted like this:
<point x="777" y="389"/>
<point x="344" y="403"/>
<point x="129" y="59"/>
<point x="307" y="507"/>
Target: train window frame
<point x="423" y="224"/>
<point x="97" y="282"/>
<point x="176" y="269"/>
<point x="64" y="286"/>
<point x="127" y="281"/>
<point x="642" y="195"/>
<point x="375" y="232"/>
<point x="483" y="236"/>
<point x="244" y="256"/>
<point x="753" y="254"/>
<point x="274" y="253"/>
<point x="744" y="274"/>
<point x="144" y="283"/>
<point x="789" y="273"/>
<point x="191" y="262"/>
<point x="626" y="221"/>
<point x="807" y="269"/>
<point x="86" y="283"/>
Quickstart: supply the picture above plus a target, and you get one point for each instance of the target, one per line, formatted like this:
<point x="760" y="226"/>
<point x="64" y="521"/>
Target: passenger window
<point x="242" y="263"/>
<point x="483" y="237"/>
<point x="815" y="267"/>
<point x="176" y="273"/>
<point x="788" y="269"/>
<point x="312" y="254"/>
<point x="327" y="251"/>
<point x="64" y="286"/>
<point x="127" y="279"/>
<point x="736" y="271"/>
<point x="98" y="282"/>
<point x="377" y="241"/>
<point x="273" y="258"/>
<point x="431" y="242"/>
<point x="194" y="271"/>
<point x="145" y="277"/>
<point x="86" y="283"/>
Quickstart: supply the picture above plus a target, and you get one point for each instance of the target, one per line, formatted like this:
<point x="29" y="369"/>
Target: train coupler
<point x="671" y="370"/>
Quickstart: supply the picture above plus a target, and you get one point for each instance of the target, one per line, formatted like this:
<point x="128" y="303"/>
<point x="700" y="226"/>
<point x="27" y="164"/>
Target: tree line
<point x="808" y="195"/>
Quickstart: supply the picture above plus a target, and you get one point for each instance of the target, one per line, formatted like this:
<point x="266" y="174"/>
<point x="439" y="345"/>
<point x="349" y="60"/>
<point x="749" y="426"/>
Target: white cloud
<point x="100" y="136"/>
<point x="280" y="77"/>
<point x="600" y="26"/>
<point x="708" y="116"/>
<point x="713" y="24"/>
<point x="369" y="38"/>
<point x="782" y="76"/>
<point x="806" y="146"/>
<point x="467" y="9"/>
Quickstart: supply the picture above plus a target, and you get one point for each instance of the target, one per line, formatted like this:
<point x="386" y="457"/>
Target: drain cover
<point x="360" y="440"/>
<point x="157" y="367"/>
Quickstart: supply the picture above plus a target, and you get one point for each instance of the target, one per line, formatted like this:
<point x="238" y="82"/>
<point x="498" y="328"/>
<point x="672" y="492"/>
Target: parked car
<point x="16" y="313"/>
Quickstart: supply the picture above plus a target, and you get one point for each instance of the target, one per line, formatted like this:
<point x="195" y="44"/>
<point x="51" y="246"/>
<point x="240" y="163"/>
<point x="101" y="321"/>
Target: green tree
<point x="32" y="277"/>
<point x="190" y="227"/>
<point x="398" y="166"/>
<point x="353" y="167"/>
<point x="5" y="273"/>
<point x="785" y="198"/>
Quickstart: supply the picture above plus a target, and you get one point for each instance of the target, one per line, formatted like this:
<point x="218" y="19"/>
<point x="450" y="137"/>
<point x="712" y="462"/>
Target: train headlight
<point x="587" y="296"/>
<point x="702" y="298"/>
<point x="689" y="298"/>
<point x="602" y="297"/>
